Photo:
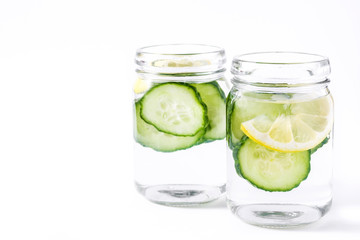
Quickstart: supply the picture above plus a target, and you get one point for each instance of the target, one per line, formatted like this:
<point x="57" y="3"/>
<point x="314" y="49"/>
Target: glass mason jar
<point x="180" y="123"/>
<point x="279" y="138"/>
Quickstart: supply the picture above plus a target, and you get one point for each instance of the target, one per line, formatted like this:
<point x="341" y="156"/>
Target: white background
<point x="66" y="74"/>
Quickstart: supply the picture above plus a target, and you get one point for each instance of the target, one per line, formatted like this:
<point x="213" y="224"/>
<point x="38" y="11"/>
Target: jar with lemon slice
<point x="279" y="138"/>
<point x="180" y="123"/>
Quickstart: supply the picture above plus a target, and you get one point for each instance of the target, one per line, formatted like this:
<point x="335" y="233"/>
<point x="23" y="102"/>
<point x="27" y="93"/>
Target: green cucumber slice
<point x="148" y="136"/>
<point x="214" y="98"/>
<point x="271" y="170"/>
<point x="174" y="108"/>
<point x="248" y="107"/>
<point x="325" y="141"/>
<point x="231" y="140"/>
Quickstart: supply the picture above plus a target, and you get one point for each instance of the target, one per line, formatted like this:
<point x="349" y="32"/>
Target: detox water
<point x="180" y="124"/>
<point x="279" y="139"/>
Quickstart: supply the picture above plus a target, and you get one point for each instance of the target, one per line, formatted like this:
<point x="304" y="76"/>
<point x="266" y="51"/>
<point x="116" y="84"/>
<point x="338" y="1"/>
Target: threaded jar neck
<point x="179" y="62"/>
<point x="280" y="70"/>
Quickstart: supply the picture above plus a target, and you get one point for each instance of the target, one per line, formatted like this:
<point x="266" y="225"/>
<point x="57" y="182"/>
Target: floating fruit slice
<point x="271" y="170"/>
<point x="290" y="126"/>
<point x="214" y="98"/>
<point x="174" y="108"/>
<point x="148" y="136"/>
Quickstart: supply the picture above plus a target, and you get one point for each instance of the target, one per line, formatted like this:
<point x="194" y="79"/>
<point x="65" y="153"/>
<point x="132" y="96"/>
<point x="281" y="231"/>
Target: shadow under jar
<point x="279" y="139"/>
<point x="180" y="123"/>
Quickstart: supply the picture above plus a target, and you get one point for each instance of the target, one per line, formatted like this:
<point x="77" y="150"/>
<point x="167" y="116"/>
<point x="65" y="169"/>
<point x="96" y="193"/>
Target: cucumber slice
<point x="214" y="98"/>
<point x="248" y="107"/>
<point x="174" y="108"/>
<point x="271" y="170"/>
<point x="232" y="141"/>
<point x="148" y="136"/>
<point x="325" y="141"/>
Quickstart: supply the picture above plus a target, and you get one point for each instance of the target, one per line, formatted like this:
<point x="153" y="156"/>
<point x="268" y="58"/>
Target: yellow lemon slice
<point x="140" y="86"/>
<point x="299" y="126"/>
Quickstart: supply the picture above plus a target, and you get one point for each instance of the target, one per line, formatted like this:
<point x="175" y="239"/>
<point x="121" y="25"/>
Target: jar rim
<point x="278" y="57"/>
<point x="280" y="67"/>
<point x="180" y="49"/>
<point x="179" y="58"/>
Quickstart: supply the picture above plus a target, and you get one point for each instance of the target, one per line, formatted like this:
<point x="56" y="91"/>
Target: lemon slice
<point x="299" y="126"/>
<point x="183" y="62"/>
<point x="140" y="86"/>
